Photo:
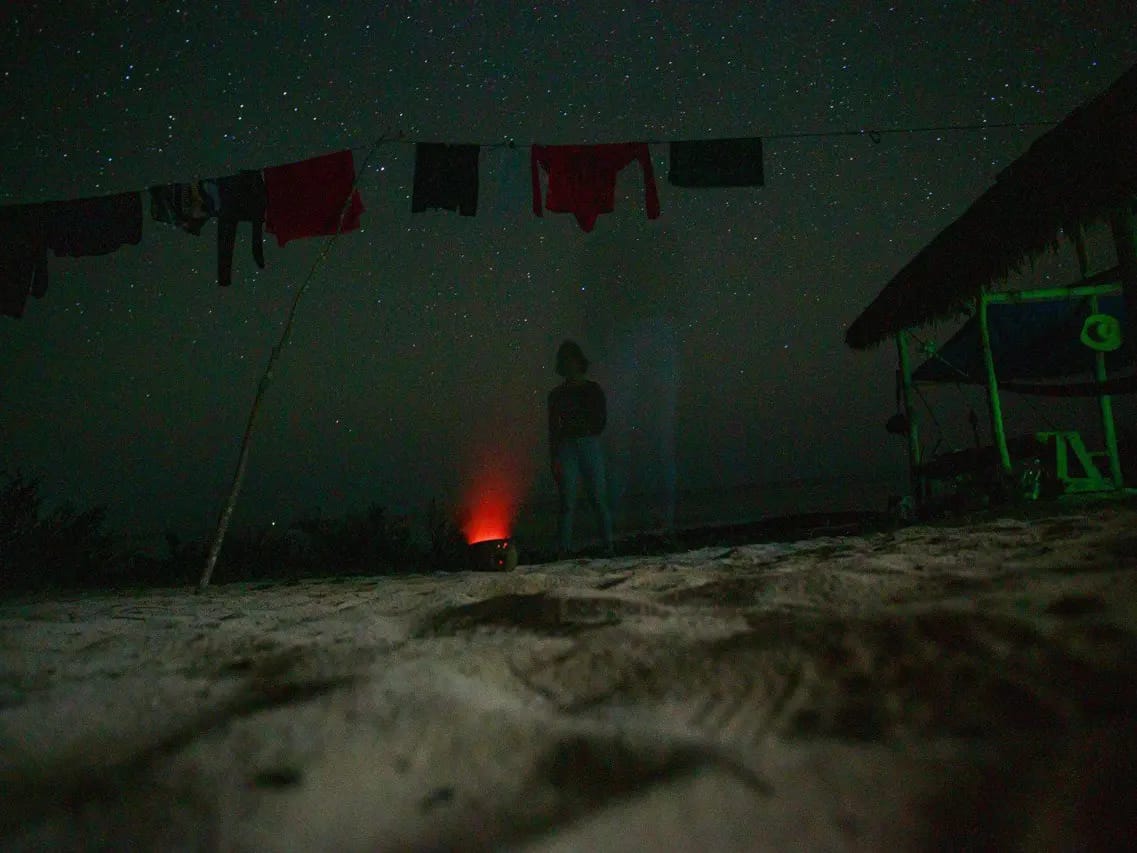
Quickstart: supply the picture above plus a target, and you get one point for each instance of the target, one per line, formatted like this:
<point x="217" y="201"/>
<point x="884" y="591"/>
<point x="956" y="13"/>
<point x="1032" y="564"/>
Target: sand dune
<point x="933" y="686"/>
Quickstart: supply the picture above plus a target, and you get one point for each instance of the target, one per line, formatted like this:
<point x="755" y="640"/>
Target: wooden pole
<point x="914" y="460"/>
<point x="239" y="475"/>
<point x="270" y="368"/>
<point x="997" y="431"/>
<point x="243" y="459"/>
<point x="1107" y="425"/>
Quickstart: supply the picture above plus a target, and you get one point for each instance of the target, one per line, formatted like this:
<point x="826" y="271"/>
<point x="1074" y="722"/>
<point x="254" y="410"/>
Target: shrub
<point x="60" y="548"/>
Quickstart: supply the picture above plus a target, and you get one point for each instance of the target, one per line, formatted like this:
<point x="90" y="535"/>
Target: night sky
<point x="423" y="350"/>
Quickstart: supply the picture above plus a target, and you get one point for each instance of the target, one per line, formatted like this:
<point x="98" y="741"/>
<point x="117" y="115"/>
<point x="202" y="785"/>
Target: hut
<point x="1080" y="173"/>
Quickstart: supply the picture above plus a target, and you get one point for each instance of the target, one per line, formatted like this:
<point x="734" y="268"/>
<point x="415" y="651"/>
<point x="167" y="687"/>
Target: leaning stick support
<point x="243" y="460"/>
<point x="998" y="430"/>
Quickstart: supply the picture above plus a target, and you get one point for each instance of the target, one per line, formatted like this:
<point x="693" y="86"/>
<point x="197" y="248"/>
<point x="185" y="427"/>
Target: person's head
<point x="571" y="363"/>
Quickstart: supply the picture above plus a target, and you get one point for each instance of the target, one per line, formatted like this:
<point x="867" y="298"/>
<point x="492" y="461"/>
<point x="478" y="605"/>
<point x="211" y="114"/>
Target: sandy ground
<point x="929" y="688"/>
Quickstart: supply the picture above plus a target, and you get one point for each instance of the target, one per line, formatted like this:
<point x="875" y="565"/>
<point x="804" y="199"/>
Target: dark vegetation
<point x="44" y="549"/>
<point x="61" y="547"/>
<point x="65" y="549"/>
<point x="57" y="549"/>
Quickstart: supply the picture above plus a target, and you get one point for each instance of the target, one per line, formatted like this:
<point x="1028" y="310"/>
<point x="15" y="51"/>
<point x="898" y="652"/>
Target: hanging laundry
<point x="187" y="205"/>
<point x="241" y="199"/>
<point x="717" y="163"/>
<point x="307" y="199"/>
<point x="505" y="181"/>
<point x="23" y="257"/>
<point x="93" y="226"/>
<point x="446" y="177"/>
<point x="582" y="178"/>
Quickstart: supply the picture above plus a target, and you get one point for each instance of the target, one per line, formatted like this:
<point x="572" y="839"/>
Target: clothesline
<point x="309" y="193"/>
<point x="872" y="133"/>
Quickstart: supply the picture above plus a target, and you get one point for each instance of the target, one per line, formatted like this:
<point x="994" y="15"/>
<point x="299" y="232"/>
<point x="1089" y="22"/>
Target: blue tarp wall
<point x="1029" y="341"/>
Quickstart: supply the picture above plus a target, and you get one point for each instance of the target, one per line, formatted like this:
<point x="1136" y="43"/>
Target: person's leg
<point x="592" y="463"/>
<point x="569" y="458"/>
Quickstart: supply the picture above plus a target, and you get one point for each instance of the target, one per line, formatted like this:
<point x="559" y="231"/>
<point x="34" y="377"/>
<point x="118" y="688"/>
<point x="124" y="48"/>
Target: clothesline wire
<point x="266" y="378"/>
<point x="872" y="133"/>
<point x="940" y="128"/>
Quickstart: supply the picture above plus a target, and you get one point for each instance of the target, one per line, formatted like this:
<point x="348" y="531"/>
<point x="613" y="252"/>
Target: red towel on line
<point x="305" y="199"/>
<point x="582" y="178"/>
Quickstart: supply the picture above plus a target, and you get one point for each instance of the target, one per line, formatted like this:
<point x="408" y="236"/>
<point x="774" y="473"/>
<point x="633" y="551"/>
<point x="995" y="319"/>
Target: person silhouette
<point x="577" y="415"/>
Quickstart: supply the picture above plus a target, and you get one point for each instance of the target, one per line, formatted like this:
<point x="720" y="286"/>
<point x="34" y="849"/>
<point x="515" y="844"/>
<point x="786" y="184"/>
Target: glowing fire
<point x="491" y="515"/>
<point x="492" y="499"/>
<point x="497" y="467"/>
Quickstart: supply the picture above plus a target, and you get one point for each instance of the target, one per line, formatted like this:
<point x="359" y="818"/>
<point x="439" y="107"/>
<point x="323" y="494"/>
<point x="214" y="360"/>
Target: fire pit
<point x="493" y="555"/>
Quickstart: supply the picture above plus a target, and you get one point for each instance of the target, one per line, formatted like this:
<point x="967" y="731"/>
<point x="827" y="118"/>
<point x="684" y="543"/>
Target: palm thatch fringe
<point x="1071" y="177"/>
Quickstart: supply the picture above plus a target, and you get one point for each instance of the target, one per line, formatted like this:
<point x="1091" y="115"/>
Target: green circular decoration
<point x="1102" y="333"/>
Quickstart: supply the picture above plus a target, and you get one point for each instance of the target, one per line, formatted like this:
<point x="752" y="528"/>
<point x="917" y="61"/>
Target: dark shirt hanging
<point x="93" y="226"/>
<point x="307" y="198"/>
<point x="717" y="163"/>
<point x="242" y="199"/>
<point x="23" y="257"/>
<point x="446" y="177"/>
<point x="582" y="178"/>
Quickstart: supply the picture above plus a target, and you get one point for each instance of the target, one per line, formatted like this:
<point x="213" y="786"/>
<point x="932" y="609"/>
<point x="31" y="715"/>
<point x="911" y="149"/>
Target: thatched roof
<point x="1071" y="177"/>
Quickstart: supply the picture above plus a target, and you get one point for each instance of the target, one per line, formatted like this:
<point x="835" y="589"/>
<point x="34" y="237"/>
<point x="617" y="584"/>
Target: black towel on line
<point x="717" y="163"/>
<point x="446" y="177"/>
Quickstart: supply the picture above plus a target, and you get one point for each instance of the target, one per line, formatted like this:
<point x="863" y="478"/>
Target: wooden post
<point x="1121" y="223"/>
<point x="914" y="460"/>
<point x="1107" y="426"/>
<point x="997" y="432"/>
<point x="243" y="458"/>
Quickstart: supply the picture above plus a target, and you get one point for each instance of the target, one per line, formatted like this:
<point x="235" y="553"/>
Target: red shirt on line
<point x="582" y="178"/>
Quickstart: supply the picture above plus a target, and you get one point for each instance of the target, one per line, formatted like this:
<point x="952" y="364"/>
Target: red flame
<point x="497" y="467"/>
<point x="490" y="518"/>
<point x="493" y="498"/>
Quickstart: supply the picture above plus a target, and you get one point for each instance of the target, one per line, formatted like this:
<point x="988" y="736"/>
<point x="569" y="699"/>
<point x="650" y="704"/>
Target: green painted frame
<point x="1065" y="440"/>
